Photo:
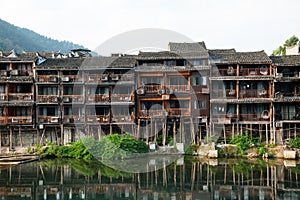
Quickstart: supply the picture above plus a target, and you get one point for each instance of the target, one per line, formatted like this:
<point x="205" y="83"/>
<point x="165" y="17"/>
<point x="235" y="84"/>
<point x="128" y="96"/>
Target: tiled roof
<point x="291" y="60"/>
<point x="162" y="55"/>
<point x="89" y="63"/>
<point x="257" y="57"/>
<point x="187" y="46"/>
<point x="221" y="51"/>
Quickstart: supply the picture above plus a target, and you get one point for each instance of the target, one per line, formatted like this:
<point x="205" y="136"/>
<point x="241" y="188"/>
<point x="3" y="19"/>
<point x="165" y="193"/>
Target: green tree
<point x="281" y="50"/>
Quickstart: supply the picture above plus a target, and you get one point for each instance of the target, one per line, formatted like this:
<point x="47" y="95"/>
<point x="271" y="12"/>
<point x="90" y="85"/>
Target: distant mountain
<point x="22" y="39"/>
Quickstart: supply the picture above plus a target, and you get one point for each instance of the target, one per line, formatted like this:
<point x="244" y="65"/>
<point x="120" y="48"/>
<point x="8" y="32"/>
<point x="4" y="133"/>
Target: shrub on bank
<point x="113" y="146"/>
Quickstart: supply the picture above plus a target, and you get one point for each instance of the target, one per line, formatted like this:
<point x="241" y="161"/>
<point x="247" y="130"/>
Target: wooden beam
<point x="10" y="138"/>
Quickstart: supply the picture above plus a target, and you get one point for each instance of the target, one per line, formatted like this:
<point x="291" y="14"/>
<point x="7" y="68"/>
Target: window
<point x="151" y="80"/>
<point x="177" y="80"/>
<point x="179" y="104"/>
<point x="200" y="104"/>
<point x="199" y="81"/>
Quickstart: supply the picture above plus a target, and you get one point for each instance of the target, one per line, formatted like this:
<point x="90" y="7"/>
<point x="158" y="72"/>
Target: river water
<point x="186" y="178"/>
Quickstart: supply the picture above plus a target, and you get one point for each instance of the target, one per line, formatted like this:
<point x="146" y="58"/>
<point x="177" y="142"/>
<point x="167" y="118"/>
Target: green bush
<point x="243" y="142"/>
<point x="295" y="143"/>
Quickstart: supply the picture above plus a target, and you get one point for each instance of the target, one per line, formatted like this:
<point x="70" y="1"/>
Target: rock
<point x="287" y="154"/>
<point x="213" y="154"/>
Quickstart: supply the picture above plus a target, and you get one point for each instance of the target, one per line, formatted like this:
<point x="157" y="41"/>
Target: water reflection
<point x="188" y="178"/>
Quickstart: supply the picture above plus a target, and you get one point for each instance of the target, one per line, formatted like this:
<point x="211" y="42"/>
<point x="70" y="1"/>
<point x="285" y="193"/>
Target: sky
<point x="246" y="25"/>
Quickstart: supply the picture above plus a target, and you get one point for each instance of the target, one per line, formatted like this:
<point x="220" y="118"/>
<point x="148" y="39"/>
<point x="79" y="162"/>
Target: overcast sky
<point x="247" y="25"/>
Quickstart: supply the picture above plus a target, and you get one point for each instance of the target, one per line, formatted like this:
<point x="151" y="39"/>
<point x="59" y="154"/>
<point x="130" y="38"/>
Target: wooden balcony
<point x="122" y="118"/>
<point x="20" y="97"/>
<point x="23" y="120"/>
<point x="224" y="118"/>
<point x="3" y="97"/>
<point x="254" y="93"/>
<point x="121" y="98"/>
<point x="72" y="79"/>
<point x="3" y="120"/>
<point x="98" y="98"/>
<point x="92" y="119"/>
<point x="228" y="93"/>
<point x="47" y="99"/>
<point x="179" y="112"/>
<point x="265" y="116"/>
<point x="264" y="71"/>
<point x="92" y="78"/>
<point x="153" y="89"/>
<point x="225" y="72"/>
<point x="178" y="88"/>
<point x="47" y="78"/>
<point x="48" y="119"/>
<point x="152" y="113"/>
<point x="73" y="98"/>
<point x="73" y="119"/>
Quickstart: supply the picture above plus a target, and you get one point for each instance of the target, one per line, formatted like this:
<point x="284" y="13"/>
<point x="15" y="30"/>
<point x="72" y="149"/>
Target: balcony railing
<point x="48" y="119"/>
<point x="179" y="88"/>
<point x="223" y="117"/>
<point x="224" y="72"/>
<point x="122" y="118"/>
<point x="104" y="98"/>
<point x="254" y="94"/>
<point x="254" y="71"/>
<point x="97" y="78"/>
<point x="20" y="96"/>
<point x="3" y="120"/>
<point x="97" y="119"/>
<point x="3" y="97"/>
<point x="71" y="78"/>
<point x="47" y="78"/>
<point x="19" y="120"/>
<point x="226" y="93"/>
<point x="121" y="98"/>
<point x="179" y="112"/>
<point x="73" y="119"/>
<point x="152" y="113"/>
<point x="265" y="116"/>
<point x="287" y="115"/>
<point x="47" y="98"/>
<point x="73" y="98"/>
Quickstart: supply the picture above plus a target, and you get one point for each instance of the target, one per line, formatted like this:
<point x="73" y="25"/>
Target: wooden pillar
<point x="251" y="131"/>
<point x="183" y="133"/>
<point x="174" y="132"/>
<point x="99" y="132"/>
<point x="232" y="131"/>
<point x="0" y="141"/>
<point x="163" y="134"/>
<point x="260" y="134"/>
<point x="155" y="130"/>
<point x="180" y="129"/>
<point x="147" y="132"/>
<point x="138" y="129"/>
<point x="295" y="130"/>
<point x="110" y="129"/>
<point x="192" y="131"/>
<point x="267" y="137"/>
<point x="224" y="131"/>
<point x="10" y="138"/>
<point x="20" y="134"/>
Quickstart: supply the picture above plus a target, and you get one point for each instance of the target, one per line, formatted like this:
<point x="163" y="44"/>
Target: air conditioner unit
<point x="278" y="124"/>
<point x="91" y="79"/>
<point x="53" y="79"/>
<point x="2" y="97"/>
<point x="65" y="79"/>
<point x="205" y="90"/>
<point x="67" y="120"/>
<point x="14" y="72"/>
<point x="54" y="120"/>
<point x="165" y="97"/>
<point x="14" y="120"/>
<point x="115" y="78"/>
<point x="54" y="99"/>
<point x="279" y="75"/>
<point x="161" y="92"/>
<point x="170" y="91"/>
<point x="140" y="91"/>
<point x="104" y="78"/>
<point x="105" y="119"/>
<point x="27" y="98"/>
<point x="66" y="99"/>
<point x="3" y="73"/>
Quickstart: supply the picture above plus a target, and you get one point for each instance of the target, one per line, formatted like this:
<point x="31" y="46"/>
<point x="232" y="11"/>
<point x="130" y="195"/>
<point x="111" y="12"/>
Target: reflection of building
<point x="188" y="180"/>
<point x="181" y="95"/>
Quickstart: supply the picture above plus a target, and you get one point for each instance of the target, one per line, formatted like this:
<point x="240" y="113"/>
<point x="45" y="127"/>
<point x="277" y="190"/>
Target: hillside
<point x="22" y="39"/>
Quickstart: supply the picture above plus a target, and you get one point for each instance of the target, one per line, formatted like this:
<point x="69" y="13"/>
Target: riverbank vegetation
<point x="114" y="146"/>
